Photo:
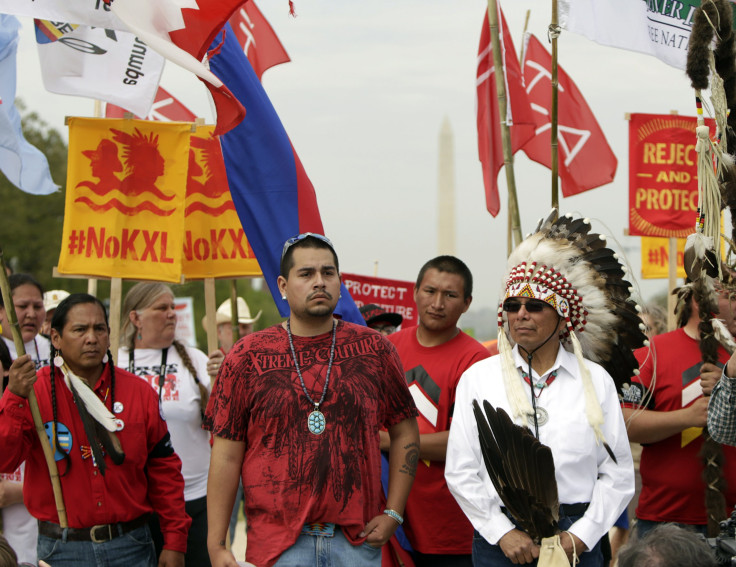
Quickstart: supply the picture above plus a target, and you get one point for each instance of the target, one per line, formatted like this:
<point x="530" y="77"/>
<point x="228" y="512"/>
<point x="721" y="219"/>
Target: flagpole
<point x="554" y="32"/>
<point x="20" y="349"/>
<point x="508" y="158"/>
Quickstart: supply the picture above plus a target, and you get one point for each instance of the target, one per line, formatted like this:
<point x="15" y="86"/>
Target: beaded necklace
<point x="316" y="422"/>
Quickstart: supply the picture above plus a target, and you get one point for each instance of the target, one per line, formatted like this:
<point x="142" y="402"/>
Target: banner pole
<point x="234" y="315"/>
<point x="554" y="31"/>
<point x="116" y="296"/>
<point x="20" y="349"/>
<point x="672" y="283"/>
<point x="508" y="157"/>
<point x="210" y="314"/>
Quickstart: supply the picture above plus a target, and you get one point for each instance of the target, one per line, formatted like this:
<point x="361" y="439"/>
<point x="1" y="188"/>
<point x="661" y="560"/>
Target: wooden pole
<point x="20" y="349"/>
<point x="116" y="298"/>
<point x="210" y="308"/>
<point x="554" y="32"/>
<point x="508" y="157"/>
<point x="234" y="315"/>
<point x="672" y="273"/>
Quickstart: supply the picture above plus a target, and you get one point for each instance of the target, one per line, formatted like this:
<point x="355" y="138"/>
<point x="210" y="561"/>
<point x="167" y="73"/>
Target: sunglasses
<point x="532" y="305"/>
<point x="293" y="240"/>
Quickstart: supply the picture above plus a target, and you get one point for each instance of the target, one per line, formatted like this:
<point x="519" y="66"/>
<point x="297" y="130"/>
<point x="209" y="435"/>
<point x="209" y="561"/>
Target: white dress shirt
<point x="583" y="469"/>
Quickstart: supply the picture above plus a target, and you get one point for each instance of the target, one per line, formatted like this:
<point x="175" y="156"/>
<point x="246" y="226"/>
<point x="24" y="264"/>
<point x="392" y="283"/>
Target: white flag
<point x="661" y="29"/>
<point x="110" y="65"/>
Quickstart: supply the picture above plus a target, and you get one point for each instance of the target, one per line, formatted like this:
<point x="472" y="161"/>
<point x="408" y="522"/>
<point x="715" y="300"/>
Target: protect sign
<point x="395" y="296"/>
<point x="214" y="240"/>
<point x="125" y="197"/>
<point x="663" y="182"/>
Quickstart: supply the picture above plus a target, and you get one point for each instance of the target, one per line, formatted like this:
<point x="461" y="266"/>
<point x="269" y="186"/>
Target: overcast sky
<point x="363" y="100"/>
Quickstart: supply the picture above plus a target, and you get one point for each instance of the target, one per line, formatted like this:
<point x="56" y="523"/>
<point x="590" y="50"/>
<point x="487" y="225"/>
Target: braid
<point x="54" y="428"/>
<point x="203" y="394"/>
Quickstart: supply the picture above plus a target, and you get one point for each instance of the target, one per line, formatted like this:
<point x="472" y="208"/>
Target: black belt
<point x="565" y="509"/>
<point x="96" y="534"/>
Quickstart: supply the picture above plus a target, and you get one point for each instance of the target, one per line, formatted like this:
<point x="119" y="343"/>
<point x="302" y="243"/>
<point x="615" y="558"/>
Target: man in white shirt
<point x="570" y="404"/>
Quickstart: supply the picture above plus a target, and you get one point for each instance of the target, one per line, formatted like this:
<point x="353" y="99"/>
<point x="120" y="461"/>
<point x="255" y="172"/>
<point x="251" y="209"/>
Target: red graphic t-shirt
<point x="291" y="476"/>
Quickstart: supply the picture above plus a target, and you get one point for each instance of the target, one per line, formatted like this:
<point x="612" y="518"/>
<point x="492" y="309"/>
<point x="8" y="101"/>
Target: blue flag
<point x="24" y="165"/>
<point x="272" y="194"/>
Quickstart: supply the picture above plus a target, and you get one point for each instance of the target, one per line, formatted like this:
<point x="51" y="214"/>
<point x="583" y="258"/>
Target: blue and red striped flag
<point x="273" y="196"/>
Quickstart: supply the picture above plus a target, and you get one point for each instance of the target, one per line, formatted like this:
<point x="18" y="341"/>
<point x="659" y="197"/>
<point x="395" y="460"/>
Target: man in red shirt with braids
<point x="108" y="494"/>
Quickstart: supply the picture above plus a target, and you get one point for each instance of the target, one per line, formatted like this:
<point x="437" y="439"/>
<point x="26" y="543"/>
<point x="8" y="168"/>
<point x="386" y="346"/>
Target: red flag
<point x="165" y="108"/>
<point x="585" y="159"/>
<point x="519" y="114"/>
<point x="257" y="38"/>
<point x="183" y="35"/>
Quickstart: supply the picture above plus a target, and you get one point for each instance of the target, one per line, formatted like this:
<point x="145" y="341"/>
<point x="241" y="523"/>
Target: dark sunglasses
<point x="293" y="240"/>
<point x="532" y="305"/>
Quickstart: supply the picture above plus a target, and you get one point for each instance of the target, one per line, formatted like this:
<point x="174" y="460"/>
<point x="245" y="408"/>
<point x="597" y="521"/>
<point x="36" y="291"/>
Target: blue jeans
<point x="487" y="555"/>
<point x="337" y="551"/>
<point x="134" y="548"/>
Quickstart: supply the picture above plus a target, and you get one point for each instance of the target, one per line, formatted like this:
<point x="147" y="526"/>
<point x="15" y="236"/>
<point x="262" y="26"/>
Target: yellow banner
<point x="655" y="257"/>
<point x="214" y="240"/>
<point x="125" y="196"/>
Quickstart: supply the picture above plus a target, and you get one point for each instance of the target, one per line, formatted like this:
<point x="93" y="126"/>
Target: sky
<point x="363" y="99"/>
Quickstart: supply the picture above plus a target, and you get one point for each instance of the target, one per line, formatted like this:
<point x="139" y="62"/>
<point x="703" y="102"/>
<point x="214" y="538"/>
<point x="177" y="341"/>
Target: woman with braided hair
<point x="178" y="375"/>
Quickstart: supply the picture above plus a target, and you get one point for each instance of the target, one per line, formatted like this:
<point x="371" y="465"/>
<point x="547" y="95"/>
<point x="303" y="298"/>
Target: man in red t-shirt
<point x="296" y="409"/>
<point x="435" y="354"/>
<point x="671" y="388"/>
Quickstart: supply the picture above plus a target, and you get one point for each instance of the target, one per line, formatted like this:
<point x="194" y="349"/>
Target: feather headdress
<point x="570" y="268"/>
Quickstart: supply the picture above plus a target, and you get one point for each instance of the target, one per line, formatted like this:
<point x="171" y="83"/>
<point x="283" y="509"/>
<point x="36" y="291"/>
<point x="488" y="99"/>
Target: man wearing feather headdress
<point x="561" y="281"/>
<point x="111" y="444"/>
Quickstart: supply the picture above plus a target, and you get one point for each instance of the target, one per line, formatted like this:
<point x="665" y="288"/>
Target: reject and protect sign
<point x="663" y="177"/>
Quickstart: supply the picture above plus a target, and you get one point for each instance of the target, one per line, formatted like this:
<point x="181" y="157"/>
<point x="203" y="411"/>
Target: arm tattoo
<point x="412" y="458"/>
<point x="222" y="543"/>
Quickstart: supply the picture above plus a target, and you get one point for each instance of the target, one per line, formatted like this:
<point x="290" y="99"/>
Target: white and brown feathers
<point x="522" y="471"/>
<point x="603" y="314"/>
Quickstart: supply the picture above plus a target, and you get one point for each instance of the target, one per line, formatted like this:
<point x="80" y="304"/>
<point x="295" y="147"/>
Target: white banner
<point x="661" y="29"/>
<point x="110" y="65"/>
<point x="89" y="12"/>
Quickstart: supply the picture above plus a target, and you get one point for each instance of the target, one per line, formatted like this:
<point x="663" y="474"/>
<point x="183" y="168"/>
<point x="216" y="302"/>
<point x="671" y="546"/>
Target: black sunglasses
<point x="532" y="305"/>
<point x="293" y="240"/>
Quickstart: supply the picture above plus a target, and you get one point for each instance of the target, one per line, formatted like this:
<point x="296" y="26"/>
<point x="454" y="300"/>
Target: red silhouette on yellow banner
<point x="149" y="200"/>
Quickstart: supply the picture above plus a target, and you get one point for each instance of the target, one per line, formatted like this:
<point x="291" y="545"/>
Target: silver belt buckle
<point x="93" y="533"/>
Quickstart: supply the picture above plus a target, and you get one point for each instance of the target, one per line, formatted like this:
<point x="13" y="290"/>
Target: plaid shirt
<point x="722" y="411"/>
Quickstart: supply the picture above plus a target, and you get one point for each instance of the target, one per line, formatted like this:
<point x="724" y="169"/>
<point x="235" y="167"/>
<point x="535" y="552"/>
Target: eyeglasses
<point x="532" y="305"/>
<point x="293" y="240"/>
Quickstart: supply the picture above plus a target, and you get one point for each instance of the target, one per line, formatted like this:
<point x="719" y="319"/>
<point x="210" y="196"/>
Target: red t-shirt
<point x="291" y="476"/>
<point x="434" y="521"/>
<point x="149" y="479"/>
<point x="671" y="470"/>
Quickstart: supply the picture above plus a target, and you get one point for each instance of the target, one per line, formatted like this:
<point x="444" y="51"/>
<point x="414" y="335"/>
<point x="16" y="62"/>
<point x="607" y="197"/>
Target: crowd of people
<point x="346" y="444"/>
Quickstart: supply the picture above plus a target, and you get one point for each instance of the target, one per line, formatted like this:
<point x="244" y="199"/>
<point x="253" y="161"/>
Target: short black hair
<point x="58" y="321"/>
<point x="287" y="261"/>
<point x="451" y="265"/>
<point x="17" y="280"/>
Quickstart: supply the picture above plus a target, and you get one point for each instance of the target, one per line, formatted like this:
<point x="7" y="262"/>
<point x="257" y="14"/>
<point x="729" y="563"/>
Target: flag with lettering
<point x="663" y="174"/>
<point x="214" y="241"/>
<point x="105" y="64"/>
<point x="180" y="31"/>
<point x="165" y="108"/>
<point x="519" y="115"/>
<point x="661" y="29"/>
<point x="125" y="199"/>
<point x="274" y="197"/>
<point x="585" y="160"/>
<point x="23" y="164"/>
<point x="260" y="43"/>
